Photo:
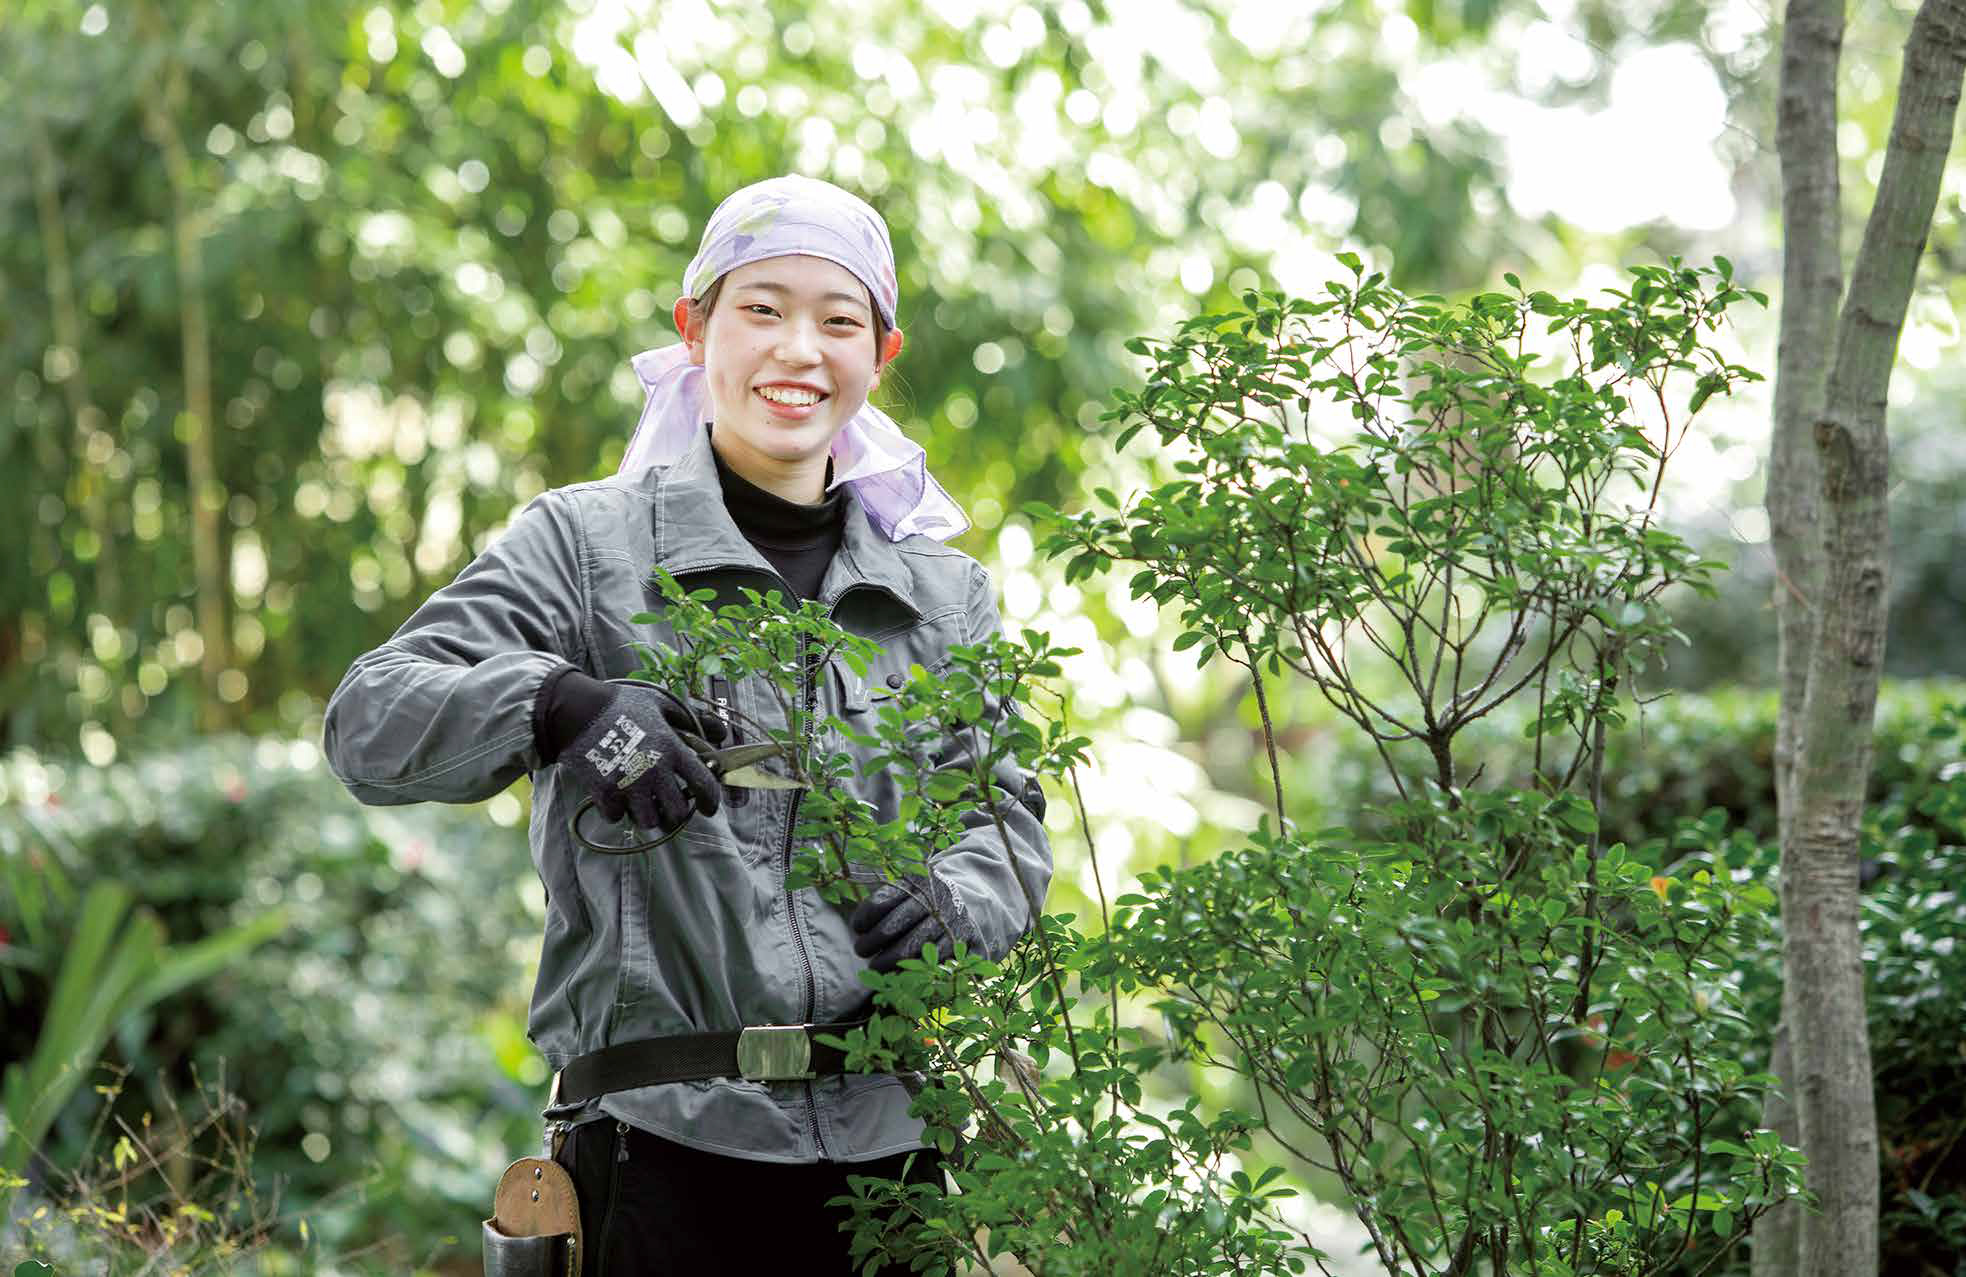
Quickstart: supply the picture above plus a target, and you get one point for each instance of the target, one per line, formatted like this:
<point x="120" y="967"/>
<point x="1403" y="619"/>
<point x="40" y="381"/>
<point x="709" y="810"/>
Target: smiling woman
<point x="757" y="464"/>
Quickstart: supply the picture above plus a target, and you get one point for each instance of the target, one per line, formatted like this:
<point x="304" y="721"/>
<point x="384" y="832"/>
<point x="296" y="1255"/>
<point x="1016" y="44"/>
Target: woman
<point x="703" y="1130"/>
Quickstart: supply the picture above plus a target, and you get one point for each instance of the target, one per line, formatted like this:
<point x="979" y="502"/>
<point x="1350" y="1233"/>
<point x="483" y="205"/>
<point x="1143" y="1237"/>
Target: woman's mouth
<point x="793" y="404"/>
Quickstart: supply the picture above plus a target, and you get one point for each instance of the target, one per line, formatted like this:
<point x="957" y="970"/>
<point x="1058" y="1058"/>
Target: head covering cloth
<point x="780" y="217"/>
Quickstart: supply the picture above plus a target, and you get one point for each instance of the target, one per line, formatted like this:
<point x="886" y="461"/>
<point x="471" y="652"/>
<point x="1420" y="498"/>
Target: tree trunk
<point x="1812" y="285"/>
<point x="1831" y="735"/>
<point x="207" y="494"/>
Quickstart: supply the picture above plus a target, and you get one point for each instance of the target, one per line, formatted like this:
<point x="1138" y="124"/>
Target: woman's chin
<point x="794" y="440"/>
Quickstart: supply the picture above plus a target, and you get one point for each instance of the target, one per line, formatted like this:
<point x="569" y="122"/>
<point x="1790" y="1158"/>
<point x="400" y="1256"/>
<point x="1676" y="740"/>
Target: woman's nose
<point x="798" y="344"/>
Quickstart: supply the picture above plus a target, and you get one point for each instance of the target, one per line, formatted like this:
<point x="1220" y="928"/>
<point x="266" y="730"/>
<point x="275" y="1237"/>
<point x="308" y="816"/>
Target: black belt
<point x="766" y="1053"/>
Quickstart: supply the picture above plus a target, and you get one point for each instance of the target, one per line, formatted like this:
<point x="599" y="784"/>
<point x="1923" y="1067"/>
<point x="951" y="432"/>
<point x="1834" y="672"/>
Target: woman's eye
<point x="847" y="320"/>
<point x="760" y="306"/>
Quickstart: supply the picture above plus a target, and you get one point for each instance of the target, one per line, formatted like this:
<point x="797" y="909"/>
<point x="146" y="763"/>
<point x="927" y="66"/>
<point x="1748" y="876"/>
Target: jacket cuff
<point x="567" y="701"/>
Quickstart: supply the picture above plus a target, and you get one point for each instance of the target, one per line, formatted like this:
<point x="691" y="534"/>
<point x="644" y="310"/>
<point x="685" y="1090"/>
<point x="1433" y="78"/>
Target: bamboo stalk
<point x="195" y="426"/>
<point x="88" y="419"/>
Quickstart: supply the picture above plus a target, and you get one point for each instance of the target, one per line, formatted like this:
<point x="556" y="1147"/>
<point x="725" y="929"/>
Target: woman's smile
<point x="794" y="403"/>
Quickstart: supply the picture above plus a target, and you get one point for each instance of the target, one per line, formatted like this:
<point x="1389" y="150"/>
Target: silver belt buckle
<point x="774" y="1053"/>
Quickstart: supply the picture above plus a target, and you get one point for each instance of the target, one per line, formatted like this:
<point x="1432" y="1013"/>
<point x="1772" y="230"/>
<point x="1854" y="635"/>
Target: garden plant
<point x="1516" y="1048"/>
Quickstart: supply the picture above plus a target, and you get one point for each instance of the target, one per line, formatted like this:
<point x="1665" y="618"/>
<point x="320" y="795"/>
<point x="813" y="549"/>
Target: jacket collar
<point x="695" y="533"/>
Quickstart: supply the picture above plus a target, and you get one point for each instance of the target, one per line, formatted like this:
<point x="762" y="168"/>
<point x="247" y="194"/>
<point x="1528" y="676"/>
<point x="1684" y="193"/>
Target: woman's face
<point x="788" y="351"/>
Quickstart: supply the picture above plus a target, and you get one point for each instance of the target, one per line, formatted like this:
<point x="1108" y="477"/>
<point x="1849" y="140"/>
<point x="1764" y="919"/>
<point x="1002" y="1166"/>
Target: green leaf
<point x="113" y="967"/>
<point x="1576" y="812"/>
<point x="187" y="965"/>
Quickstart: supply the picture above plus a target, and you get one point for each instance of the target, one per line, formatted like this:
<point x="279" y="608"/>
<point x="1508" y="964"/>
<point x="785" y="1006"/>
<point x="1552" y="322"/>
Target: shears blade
<point x="739" y="767"/>
<point x="725" y="761"/>
<point x="755" y="777"/>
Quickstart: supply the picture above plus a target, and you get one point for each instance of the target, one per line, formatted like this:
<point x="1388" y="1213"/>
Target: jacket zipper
<point x="810" y="687"/>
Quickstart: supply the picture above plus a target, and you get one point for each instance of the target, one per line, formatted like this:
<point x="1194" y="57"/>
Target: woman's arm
<point x="998" y="877"/>
<point x="445" y="710"/>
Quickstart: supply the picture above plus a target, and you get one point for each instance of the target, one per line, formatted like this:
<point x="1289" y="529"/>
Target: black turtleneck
<point x="796" y="538"/>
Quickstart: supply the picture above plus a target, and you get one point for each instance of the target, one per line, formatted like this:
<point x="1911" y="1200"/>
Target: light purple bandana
<point x="779" y="218"/>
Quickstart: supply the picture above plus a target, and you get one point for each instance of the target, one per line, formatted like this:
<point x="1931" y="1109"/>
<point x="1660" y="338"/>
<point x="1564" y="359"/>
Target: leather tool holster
<point x="534" y="1230"/>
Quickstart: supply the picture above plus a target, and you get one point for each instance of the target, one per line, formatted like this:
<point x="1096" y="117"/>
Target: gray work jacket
<point x="702" y="933"/>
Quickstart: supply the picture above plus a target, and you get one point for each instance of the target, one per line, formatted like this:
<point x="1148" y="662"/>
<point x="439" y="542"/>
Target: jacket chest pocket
<point x="887" y="674"/>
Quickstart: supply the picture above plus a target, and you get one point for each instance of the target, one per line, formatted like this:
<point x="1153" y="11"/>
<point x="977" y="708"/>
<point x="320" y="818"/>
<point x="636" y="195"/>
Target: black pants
<point x="651" y="1207"/>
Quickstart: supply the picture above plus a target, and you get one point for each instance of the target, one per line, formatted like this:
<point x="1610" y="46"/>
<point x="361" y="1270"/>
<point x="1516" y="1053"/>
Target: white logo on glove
<point x="620" y="751"/>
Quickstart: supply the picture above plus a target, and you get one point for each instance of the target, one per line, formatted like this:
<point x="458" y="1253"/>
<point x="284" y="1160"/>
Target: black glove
<point x="627" y="753"/>
<point x="897" y="920"/>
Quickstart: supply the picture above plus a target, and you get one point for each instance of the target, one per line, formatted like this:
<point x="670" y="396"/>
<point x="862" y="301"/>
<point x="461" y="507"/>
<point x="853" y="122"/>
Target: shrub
<point x="375" y="1043"/>
<point x="1517" y="1048"/>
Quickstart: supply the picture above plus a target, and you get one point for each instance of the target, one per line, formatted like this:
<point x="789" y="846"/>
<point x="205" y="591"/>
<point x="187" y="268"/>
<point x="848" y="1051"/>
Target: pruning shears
<point x="734" y="766"/>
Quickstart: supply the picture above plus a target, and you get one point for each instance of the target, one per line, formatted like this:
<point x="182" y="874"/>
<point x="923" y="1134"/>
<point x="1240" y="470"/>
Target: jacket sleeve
<point x="443" y="711"/>
<point x="997" y="878"/>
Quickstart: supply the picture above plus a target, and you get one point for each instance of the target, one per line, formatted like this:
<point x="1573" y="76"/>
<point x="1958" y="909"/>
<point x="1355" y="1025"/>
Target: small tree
<point x="1517" y="1050"/>
<point x="1827" y="478"/>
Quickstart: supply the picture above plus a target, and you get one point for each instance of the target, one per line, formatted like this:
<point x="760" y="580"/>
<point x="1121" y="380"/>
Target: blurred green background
<point x="303" y="300"/>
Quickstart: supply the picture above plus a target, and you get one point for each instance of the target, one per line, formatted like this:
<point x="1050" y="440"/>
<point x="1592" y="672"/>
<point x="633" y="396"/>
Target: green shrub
<point x="1697" y="765"/>
<point x="1914" y="928"/>
<point x="376" y="1043"/>
<point x="1516" y="1048"/>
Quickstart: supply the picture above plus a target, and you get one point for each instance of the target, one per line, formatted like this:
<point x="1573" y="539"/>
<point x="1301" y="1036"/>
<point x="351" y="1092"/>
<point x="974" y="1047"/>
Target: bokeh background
<point x="303" y="300"/>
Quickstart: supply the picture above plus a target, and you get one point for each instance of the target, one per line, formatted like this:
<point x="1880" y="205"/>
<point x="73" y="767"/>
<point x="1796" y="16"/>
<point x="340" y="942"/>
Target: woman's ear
<point x="892" y="347"/>
<point x="692" y="333"/>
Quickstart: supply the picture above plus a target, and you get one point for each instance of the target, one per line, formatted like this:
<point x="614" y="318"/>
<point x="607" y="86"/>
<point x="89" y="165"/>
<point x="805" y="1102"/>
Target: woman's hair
<point x="700" y="308"/>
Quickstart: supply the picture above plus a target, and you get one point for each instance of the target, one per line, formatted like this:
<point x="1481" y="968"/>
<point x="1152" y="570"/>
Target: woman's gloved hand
<point x="625" y="751"/>
<point x="898" y="918"/>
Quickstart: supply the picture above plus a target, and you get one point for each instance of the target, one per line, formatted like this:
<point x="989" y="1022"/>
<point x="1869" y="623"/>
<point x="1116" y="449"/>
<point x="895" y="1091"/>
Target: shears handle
<point x="622" y="849"/>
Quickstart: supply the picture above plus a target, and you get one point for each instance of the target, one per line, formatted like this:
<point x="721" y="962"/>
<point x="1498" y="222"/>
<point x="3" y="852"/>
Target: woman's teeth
<point x="786" y="395"/>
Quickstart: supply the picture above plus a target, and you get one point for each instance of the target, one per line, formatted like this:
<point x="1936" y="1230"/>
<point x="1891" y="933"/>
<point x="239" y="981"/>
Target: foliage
<point x="376" y="1041"/>
<point x="1047" y="1177"/>
<point x="1913" y="924"/>
<point x="113" y="966"/>
<point x="1499" y="1076"/>
<point x="173" y="1192"/>
<point x="1517" y="1050"/>
<point x="1914" y="927"/>
<point x="1465" y="533"/>
<point x="429" y="236"/>
<point x="1686" y="758"/>
<point x="1697" y="769"/>
<point x="1487" y="534"/>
